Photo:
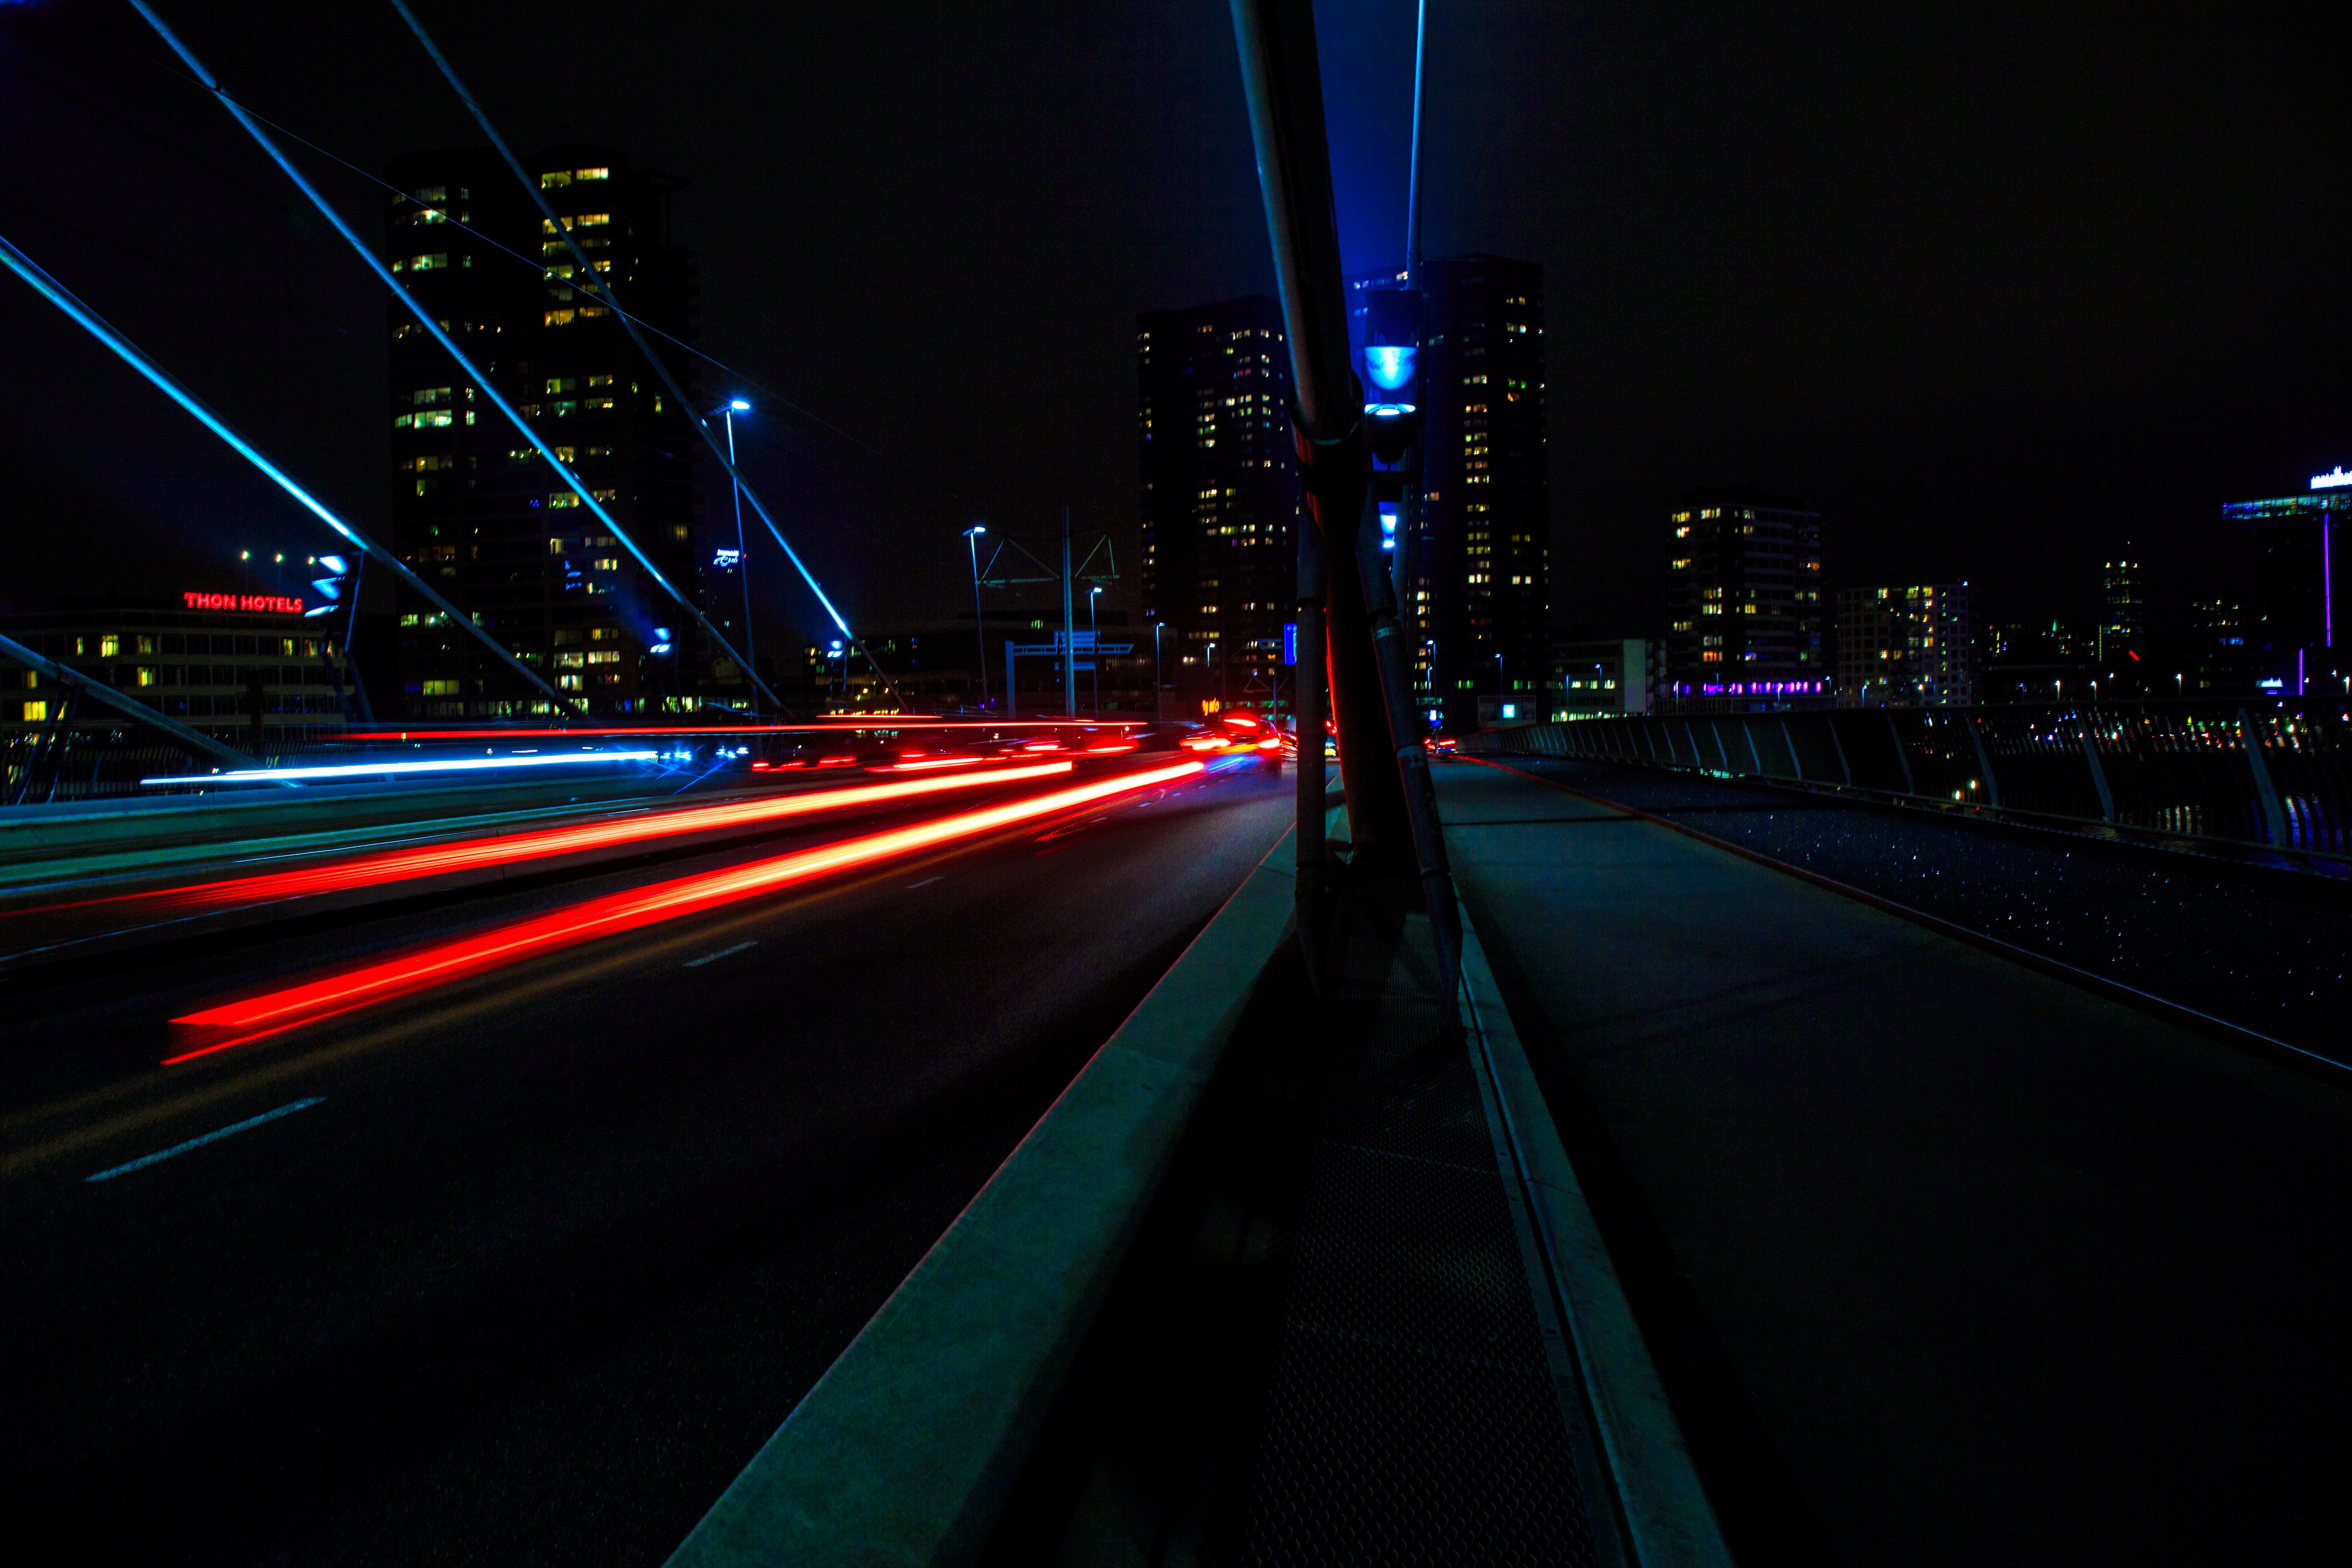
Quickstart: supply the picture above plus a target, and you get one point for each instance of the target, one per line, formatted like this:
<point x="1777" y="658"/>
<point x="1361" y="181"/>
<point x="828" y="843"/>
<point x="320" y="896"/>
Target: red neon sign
<point x="267" y="603"/>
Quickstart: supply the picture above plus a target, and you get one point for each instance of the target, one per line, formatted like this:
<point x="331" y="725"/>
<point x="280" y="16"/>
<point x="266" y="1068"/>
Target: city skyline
<point x="1692" y="348"/>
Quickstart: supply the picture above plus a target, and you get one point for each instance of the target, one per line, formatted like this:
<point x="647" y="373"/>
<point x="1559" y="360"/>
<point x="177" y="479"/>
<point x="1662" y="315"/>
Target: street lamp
<point x="979" y="626"/>
<point x="742" y="559"/>
<point x="1158" y="678"/>
<point x="1095" y="643"/>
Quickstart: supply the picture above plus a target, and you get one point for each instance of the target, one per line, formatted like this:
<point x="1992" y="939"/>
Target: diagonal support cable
<point x="439" y="334"/>
<point x="90" y="322"/>
<point x="588" y="280"/>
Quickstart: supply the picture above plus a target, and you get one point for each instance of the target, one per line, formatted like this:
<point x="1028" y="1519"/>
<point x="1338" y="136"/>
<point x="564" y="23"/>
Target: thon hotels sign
<point x="267" y="603"/>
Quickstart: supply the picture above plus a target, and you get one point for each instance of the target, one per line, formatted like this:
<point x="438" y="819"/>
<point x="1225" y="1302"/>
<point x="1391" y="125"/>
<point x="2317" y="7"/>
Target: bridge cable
<point x="440" y="334"/>
<point x="597" y="288"/>
<point x="90" y="321"/>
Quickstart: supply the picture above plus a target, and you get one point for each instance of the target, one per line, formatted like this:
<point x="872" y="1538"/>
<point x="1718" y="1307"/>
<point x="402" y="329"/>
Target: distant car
<point x="1442" y="744"/>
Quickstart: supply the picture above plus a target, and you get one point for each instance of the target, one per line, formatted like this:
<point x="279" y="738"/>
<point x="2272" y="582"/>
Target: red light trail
<point x="435" y="860"/>
<point x="892" y="721"/>
<point x="275" y="1012"/>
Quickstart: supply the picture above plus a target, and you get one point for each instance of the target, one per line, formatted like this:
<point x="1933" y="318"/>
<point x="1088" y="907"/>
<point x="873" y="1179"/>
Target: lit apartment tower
<point x="475" y="509"/>
<point x="2122" y="618"/>
<point x="1220" y="495"/>
<point x="1904" y="647"/>
<point x="1476" y="578"/>
<point x="1744" y="600"/>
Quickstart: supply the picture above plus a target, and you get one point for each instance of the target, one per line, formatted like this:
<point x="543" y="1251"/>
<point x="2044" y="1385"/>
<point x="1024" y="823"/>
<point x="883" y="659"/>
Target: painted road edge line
<point x="723" y="952"/>
<point x="235" y="1127"/>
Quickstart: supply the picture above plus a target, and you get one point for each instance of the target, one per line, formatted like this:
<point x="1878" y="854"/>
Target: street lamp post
<point x="1095" y="642"/>
<point x="1158" y="678"/>
<point x="743" y="558"/>
<point x="978" y="625"/>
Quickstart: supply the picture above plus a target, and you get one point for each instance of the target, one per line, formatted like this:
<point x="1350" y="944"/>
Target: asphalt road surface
<point x="524" y="1268"/>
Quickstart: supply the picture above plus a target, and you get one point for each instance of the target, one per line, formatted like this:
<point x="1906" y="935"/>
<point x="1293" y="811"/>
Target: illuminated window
<point x="443" y="688"/>
<point x="437" y="262"/>
<point x="605" y="495"/>
<point x="436" y="419"/>
<point x="431" y="192"/>
<point x="578" y="220"/>
<point x="605" y="564"/>
<point x="570" y="682"/>
<point x="109" y="646"/>
<point x="562" y="498"/>
<point x="559" y="318"/>
<point x="562" y="384"/>
<point x="592" y="173"/>
<point x="555" y="179"/>
<point x="36" y="711"/>
<point x="600" y="381"/>
<point x="146" y="675"/>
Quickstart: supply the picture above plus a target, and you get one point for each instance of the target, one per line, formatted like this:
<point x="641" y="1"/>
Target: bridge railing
<point x="2276" y="772"/>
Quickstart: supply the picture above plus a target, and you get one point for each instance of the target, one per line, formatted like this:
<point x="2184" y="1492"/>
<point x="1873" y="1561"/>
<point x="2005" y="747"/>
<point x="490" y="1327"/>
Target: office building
<point x="1744" y="600"/>
<point x="1220" y="497"/>
<point x="1904" y="647"/>
<point x="2293" y="642"/>
<point x="246" y="668"/>
<point x="1594" y="677"/>
<point x="1475" y="576"/>
<point x="475" y="510"/>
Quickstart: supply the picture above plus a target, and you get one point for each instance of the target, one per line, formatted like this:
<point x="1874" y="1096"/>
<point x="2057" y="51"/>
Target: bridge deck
<point x="1942" y="1258"/>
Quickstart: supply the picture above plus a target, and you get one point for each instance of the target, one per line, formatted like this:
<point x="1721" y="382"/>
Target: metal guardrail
<point x="2278" y="775"/>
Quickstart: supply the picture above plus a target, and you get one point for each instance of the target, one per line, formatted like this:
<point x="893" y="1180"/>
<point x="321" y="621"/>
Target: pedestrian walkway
<point x="1942" y="1259"/>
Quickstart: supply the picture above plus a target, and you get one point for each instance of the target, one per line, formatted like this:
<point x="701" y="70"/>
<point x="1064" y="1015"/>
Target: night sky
<point x="1996" y="289"/>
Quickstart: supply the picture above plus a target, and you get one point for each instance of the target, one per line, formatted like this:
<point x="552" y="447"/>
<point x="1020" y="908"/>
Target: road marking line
<point x="723" y="952"/>
<point x="927" y="881"/>
<point x="144" y="1160"/>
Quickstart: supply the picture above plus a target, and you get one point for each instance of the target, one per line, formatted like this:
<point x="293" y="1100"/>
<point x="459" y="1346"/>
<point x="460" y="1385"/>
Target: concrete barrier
<point x="906" y="1449"/>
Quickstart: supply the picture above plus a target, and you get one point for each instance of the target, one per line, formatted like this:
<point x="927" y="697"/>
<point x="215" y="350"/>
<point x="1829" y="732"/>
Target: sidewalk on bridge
<point x="1941" y="1258"/>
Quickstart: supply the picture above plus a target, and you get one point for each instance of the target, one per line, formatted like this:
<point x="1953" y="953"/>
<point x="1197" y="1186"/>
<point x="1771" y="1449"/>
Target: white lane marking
<point x="144" y="1160"/>
<point x="723" y="952"/>
<point x="927" y="881"/>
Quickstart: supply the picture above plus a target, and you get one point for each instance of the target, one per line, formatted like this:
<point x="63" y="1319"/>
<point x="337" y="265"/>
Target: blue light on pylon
<point x="1389" y="364"/>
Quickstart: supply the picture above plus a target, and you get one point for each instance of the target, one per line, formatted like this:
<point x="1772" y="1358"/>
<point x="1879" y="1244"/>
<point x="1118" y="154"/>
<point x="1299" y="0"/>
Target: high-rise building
<point x="1904" y="647"/>
<point x="2294" y="641"/>
<point x="2122" y="617"/>
<point x="475" y="510"/>
<point x="1476" y="576"/>
<point x="1220" y="496"/>
<point x="1744" y="599"/>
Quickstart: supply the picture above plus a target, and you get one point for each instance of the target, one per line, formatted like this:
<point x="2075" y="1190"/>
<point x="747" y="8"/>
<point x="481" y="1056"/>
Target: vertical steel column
<point x="1069" y="631"/>
<point x="1413" y="757"/>
<point x="1307" y="712"/>
<point x="1283" y="81"/>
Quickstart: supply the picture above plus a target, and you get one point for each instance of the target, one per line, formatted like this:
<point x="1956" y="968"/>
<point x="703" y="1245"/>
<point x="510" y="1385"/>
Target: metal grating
<point x="1411" y="1417"/>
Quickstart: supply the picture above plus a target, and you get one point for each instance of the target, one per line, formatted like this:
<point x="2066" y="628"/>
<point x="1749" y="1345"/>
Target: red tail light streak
<point x="435" y="859"/>
<point x="257" y="1017"/>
